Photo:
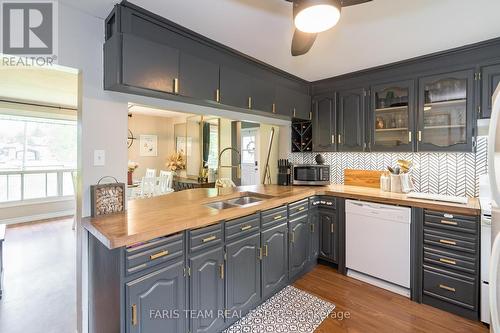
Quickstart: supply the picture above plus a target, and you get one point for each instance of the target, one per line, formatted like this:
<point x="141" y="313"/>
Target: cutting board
<point x="366" y="178"/>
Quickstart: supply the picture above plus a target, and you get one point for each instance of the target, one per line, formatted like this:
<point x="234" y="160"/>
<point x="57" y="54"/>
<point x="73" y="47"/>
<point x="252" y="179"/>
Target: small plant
<point x="132" y="166"/>
<point x="176" y="161"/>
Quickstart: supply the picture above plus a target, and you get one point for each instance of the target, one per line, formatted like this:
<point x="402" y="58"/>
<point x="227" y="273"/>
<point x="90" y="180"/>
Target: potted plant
<point x="131" y="168"/>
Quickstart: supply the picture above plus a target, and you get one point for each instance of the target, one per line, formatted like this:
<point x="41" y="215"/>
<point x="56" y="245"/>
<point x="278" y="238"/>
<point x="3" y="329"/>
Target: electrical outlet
<point x="99" y="157"/>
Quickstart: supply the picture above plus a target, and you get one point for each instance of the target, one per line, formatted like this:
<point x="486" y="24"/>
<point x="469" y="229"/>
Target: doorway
<point x="249" y="156"/>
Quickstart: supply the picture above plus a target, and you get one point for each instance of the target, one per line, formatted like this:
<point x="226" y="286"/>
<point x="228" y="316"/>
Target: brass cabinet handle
<point x="445" y="287"/>
<point x="449" y="242"/>
<point x="419" y="136"/>
<point x="449" y="222"/>
<point x="448" y="261"/>
<point x="134" y="314"/>
<point x="277" y="217"/>
<point x="266" y="251"/>
<point x="260" y="253"/>
<point x="312" y="228"/>
<point x="158" y="255"/>
<point x="217" y="95"/>
<point x="246" y="227"/>
<point x="249" y="102"/>
<point x="221" y="271"/>
<point x="333" y="138"/>
<point x="274" y="108"/>
<point x="310" y="115"/>
<point x="176" y="86"/>
<point x="409" y="136"/>
<point x="340" y="139"/>
<point x="301" y="208"/>
<point x="294" y="112"/>
<point x="332" y="228"/>
<point x="208" y="239"/>
<point x="292" y="239"/>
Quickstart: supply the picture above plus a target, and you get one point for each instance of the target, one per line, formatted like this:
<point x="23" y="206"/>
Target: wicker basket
<point x="107" y="198"/>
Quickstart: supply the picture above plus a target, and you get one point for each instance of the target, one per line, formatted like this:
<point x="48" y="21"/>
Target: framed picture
<point x="183" y="144"/>
<point x="148" y="145"/>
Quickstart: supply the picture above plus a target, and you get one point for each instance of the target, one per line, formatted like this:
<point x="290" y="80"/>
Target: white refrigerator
<point x="494" y="175"/>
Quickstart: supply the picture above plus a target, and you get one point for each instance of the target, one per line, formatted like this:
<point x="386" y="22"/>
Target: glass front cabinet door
<point x="392" y="124"/>
<point x="445" y="112"/>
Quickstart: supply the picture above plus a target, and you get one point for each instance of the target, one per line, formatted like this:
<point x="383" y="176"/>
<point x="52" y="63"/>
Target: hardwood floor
<point x="40" y="279"/>
<point x="372" y="309"/>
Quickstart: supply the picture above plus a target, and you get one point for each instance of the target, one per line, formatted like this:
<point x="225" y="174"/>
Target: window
<point x="37" y="157"/>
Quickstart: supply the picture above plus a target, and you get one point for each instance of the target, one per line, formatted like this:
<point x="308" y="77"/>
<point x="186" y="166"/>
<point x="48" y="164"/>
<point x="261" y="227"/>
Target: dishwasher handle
<point x="374" y="206"/>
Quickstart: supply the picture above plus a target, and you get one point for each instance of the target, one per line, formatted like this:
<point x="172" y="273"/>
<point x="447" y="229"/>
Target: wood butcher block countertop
<point x="146" y="219"/>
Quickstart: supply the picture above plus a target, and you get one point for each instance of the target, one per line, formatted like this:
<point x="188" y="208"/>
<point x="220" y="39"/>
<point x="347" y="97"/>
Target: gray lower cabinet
<point x="328" y="235"/>
<point x="299" y="246"/>
<point x="315" y="235"/>
<point x="155" y="303"/>
<point x="243" y="270"/>
<point x="206" y="285"/>
<point x="275" y="259"/>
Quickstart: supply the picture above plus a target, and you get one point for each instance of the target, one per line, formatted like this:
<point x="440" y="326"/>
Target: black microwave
<point x="311" y="174"/>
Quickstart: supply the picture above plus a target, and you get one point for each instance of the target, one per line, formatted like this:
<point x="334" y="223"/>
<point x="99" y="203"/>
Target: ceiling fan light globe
<point x="317" y="18"/>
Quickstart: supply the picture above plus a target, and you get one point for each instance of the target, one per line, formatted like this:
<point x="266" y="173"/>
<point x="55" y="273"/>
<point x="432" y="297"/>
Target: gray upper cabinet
<point x="490" y="78"/>
<point x="262" y="95"/>
<point x="235" y="88"/>
<point x="243" y="281"/>
<point x="324" y="123"/>
<point x="207" y="289"/>
<point x="162" y="290"/>
<point x="391" y="116"/>
<point x="198" y="78"/>
<point x="351" y="120"/>
<point x="149" y="65"/>
<point x="293" y="103"/>
<point x="299" y="246"/>
<point x="275" y="259"/>
<point x="446" y="117"/>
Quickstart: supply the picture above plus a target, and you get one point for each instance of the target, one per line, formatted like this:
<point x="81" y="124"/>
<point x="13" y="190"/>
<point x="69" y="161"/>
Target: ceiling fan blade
<point x="302" y="42"/>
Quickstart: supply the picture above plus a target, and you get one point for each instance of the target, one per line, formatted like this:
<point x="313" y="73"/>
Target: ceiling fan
<point x="314" y="16"/>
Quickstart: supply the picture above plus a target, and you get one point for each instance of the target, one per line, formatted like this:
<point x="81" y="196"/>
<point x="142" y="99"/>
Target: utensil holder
<point x="396" y="184"/>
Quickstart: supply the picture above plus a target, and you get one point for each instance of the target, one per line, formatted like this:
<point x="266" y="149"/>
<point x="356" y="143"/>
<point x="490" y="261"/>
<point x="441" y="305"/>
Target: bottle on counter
<point x="385" y="182"/>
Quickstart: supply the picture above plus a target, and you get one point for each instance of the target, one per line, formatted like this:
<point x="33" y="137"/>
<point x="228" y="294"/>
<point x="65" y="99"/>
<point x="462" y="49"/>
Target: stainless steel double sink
<point x="245" y="200"/>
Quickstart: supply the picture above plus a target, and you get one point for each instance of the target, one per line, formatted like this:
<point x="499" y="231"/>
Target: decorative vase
<point x="129" y="178"/>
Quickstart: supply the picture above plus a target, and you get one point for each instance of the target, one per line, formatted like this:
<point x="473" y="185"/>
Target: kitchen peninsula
<point x="176" y="252"/>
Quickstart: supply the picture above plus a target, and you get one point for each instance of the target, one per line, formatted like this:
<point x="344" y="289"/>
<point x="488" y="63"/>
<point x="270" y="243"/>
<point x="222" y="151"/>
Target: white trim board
<point x="38" y="217"/>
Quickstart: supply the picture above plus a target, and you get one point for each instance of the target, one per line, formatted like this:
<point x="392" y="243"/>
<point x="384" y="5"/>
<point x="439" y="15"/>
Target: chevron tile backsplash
<point x="442" y="173"/>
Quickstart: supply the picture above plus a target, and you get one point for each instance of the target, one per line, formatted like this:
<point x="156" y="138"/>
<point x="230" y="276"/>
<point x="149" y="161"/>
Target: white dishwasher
<point x="378" y="245"/>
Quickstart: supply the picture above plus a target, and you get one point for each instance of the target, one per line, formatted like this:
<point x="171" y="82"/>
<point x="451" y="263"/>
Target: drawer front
<point x="455" y="224"/>
<point x="449" y="260"/>
<point x="205" y="237"/>
<point x="273" y="216"/>
<point x="323" y="201"/>
<point x="450" y="240"/>
<point x="299" y="207"/>
<point x="242" y="226"/>
<point x="443" y="215"/>
<point x="153" y="253"/>
<point x="457" y="291"/>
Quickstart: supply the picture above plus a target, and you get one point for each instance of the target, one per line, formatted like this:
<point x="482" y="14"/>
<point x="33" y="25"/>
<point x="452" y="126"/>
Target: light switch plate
<point x="99" y="157"/>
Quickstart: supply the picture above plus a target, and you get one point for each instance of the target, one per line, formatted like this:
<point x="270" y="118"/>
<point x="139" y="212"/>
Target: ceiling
<point x="367" y="35"/>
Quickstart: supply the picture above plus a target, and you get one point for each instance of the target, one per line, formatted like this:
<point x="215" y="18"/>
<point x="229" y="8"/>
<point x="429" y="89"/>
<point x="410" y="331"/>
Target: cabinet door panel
<point x="154" y="299"/>
<point x="207" y="290"/>
<point x="293" y="103"/>
<point x="235" y="87"/>
<point x="299" y="246"/>
<point x="324" y="121"/>
<point x="198" y="78"/>
<point x="351" y="112"/>
<point x="490" y="78"/>
<point x="243" y="274"/>
<point x="325" y="223"/>
<point x="315" y="233"/>
<point x="446" y="115"/>
<point x="149" y="65"/>
<point x="263" y="93"/>
<point x="275" y="261"/>
<point x="391" y="116"/>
